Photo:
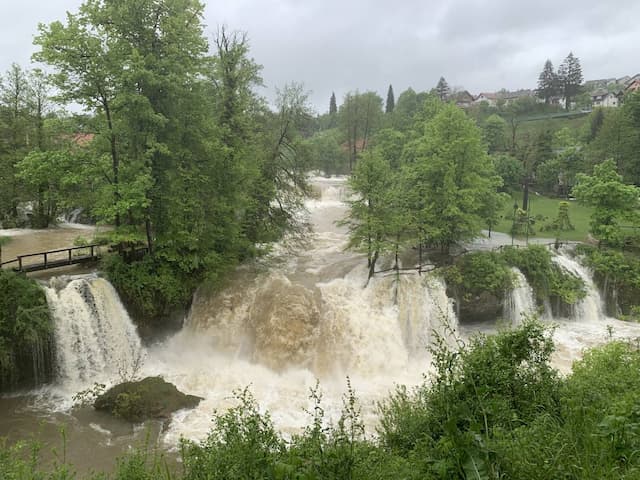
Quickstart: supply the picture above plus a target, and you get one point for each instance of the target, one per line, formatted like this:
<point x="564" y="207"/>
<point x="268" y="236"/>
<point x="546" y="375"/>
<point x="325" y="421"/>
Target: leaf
<point x="475" y="469"/>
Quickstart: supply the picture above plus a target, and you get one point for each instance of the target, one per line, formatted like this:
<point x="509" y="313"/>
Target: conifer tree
<point x="547" y="83"/>
<point x="442" y="89"/>
<point x="333" y="107"/>
<point x="570" y="77"/>
<point x="391" y="101"/>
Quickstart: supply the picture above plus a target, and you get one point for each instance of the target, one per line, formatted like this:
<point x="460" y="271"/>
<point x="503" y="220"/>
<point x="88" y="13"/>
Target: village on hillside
<point x="597" y="93"/>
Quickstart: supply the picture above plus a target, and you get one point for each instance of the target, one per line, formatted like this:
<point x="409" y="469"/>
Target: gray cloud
<point x="330" y="45"/>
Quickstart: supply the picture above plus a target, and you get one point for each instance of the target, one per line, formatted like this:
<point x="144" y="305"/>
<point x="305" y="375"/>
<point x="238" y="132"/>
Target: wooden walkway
<point x="35" y="262"/>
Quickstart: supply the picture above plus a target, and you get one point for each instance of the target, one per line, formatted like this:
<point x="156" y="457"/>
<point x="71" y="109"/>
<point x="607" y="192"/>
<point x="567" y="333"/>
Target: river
<point x="300" y="316"/>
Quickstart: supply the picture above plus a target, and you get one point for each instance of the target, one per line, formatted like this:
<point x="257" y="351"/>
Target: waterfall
<point x="519" y="302"/>
<point x="590" y="308"/>
<point x="94" y="336"/>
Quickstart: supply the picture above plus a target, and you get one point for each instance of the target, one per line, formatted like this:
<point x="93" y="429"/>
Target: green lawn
<point x="548" y="208"/>
<point x="529" y="130"/>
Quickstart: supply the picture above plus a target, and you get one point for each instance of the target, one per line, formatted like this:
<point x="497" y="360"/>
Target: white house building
<point x="603" y="98"/>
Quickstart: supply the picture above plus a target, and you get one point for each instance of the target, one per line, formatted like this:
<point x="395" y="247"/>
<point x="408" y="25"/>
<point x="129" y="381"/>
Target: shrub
<point x="25" y="325"/>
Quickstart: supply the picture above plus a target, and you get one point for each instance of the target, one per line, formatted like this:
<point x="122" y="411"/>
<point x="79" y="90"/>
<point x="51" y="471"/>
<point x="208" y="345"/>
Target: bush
<point x="495" y="383"/>
<point x="547" y="279"/>
<point x="479" y="272"/>
<point x="152" y="289"/>
<point x="618" y="274"/>
<point x="25" y="326"/>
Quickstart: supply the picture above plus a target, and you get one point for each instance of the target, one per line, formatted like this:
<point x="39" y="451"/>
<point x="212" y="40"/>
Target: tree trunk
<point x="115" y="161"/>
<point x="372" y="266"/>
<point x="525" y="195"/>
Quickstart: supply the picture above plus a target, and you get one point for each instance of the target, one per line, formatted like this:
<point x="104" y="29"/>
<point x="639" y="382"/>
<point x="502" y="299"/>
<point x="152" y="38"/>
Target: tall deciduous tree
<point x="570" y="78"/>
<point x="369" y="218"/>
<point x="495" y="129"/>
<point x="391" y="101"/>
<point x="442" y="89"/>
<point x="455" y="176"/>
<point x="614" y="202"/>
<point x="360" y="116"/>
<point x="547" y="83"/>
<point x="15" y="138"/>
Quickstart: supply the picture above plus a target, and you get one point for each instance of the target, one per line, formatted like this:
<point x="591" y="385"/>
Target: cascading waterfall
<point x="520" y="301"/>
<point x="94" y="336"/>
<point x="590" y="308"/>
<point x="306" y="316"/>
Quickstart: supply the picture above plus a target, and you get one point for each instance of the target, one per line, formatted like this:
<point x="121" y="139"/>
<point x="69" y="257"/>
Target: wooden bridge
<point x="35" y="262"/>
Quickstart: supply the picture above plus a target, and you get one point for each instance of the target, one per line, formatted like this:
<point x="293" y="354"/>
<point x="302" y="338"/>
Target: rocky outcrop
<point x="145" y="399"/>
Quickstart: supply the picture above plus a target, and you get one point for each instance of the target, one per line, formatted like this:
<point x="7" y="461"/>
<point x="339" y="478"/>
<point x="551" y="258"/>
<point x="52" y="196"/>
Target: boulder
<point x="146" y="399"/>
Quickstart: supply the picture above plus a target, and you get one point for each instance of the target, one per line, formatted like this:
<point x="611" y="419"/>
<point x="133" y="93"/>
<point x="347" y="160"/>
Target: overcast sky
<point x="343" y="45"/>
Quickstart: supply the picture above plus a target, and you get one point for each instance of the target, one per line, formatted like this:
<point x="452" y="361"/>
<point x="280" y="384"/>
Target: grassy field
<point x="548" y="208"/>
<point x="531" y="129"/>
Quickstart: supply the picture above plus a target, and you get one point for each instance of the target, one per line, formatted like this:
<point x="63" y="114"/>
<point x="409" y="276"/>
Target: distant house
<point x="633" y="85"/>
<point x="510" y="97"/>
<point x="603" y="98"/>
<point x="462" y="99"/>
<point x="490" y="98"/>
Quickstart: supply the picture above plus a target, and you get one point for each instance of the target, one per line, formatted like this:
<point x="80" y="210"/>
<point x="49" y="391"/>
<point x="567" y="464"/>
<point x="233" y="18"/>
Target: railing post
<point x="20" y="263"/>
<point x="45" y="259"/>
<point x="91" y="251"/>
<point x="69" y="256"/>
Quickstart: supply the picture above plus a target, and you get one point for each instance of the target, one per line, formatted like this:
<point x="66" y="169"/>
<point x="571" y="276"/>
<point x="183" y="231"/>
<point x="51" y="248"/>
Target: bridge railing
<point x="55" y="258"/>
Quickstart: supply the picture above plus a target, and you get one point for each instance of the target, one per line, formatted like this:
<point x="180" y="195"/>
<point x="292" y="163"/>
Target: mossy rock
<point x="480" y="308"/>
<point x="145" y="399"/>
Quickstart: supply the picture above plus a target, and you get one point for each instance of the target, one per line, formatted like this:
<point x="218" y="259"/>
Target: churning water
<point x="303" y="315"/>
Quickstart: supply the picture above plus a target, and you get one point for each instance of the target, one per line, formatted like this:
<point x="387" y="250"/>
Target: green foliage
<point x="495" y="130"/>
<point x="570" y="78"/>
<point x="150" y="287"/>
<point x="510" y="171"/>
<point x="548" y="83"/>
<point x="493" y="408"/>
<point x="24" y="323"/>
<point x="562" y="222"/>
<point x="479" y="272"/>
<point x="613" y="202"/>
<point x="447" y="426"/>
<point x="547" y="279"/>
<point x="371" y="216"/>
<point x="617" y="139"/>
<point x="326" y="153"/>
<point x="454" y="179"/>
<point x="359" y="116"/>
<point x="618" y="274"/>
<point x="148" y="398"/>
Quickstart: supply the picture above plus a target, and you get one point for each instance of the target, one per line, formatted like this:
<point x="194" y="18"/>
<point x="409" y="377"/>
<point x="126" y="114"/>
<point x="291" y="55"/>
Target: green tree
<point x="510" y="170"/>
<point x="360" y="116"/>
<point x="369" y="215"/>
<point x="495" y="133"/>
<point x="455" y="177"/>
<point x="570" y="78"/>
<point x="617" y="139"/>
<point x="596" y="119"/>
<point x="333" y="106"/>
<point x="391" y="102"/>
<point x="405" y="110"/>
<point x="613" y="202"/>
<point x="390" y="143"/>
<point x="326" y="153"/>
<point x="442" y="89"/>
<point x="547" y="83"/>
<point x="14" y="111"/>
